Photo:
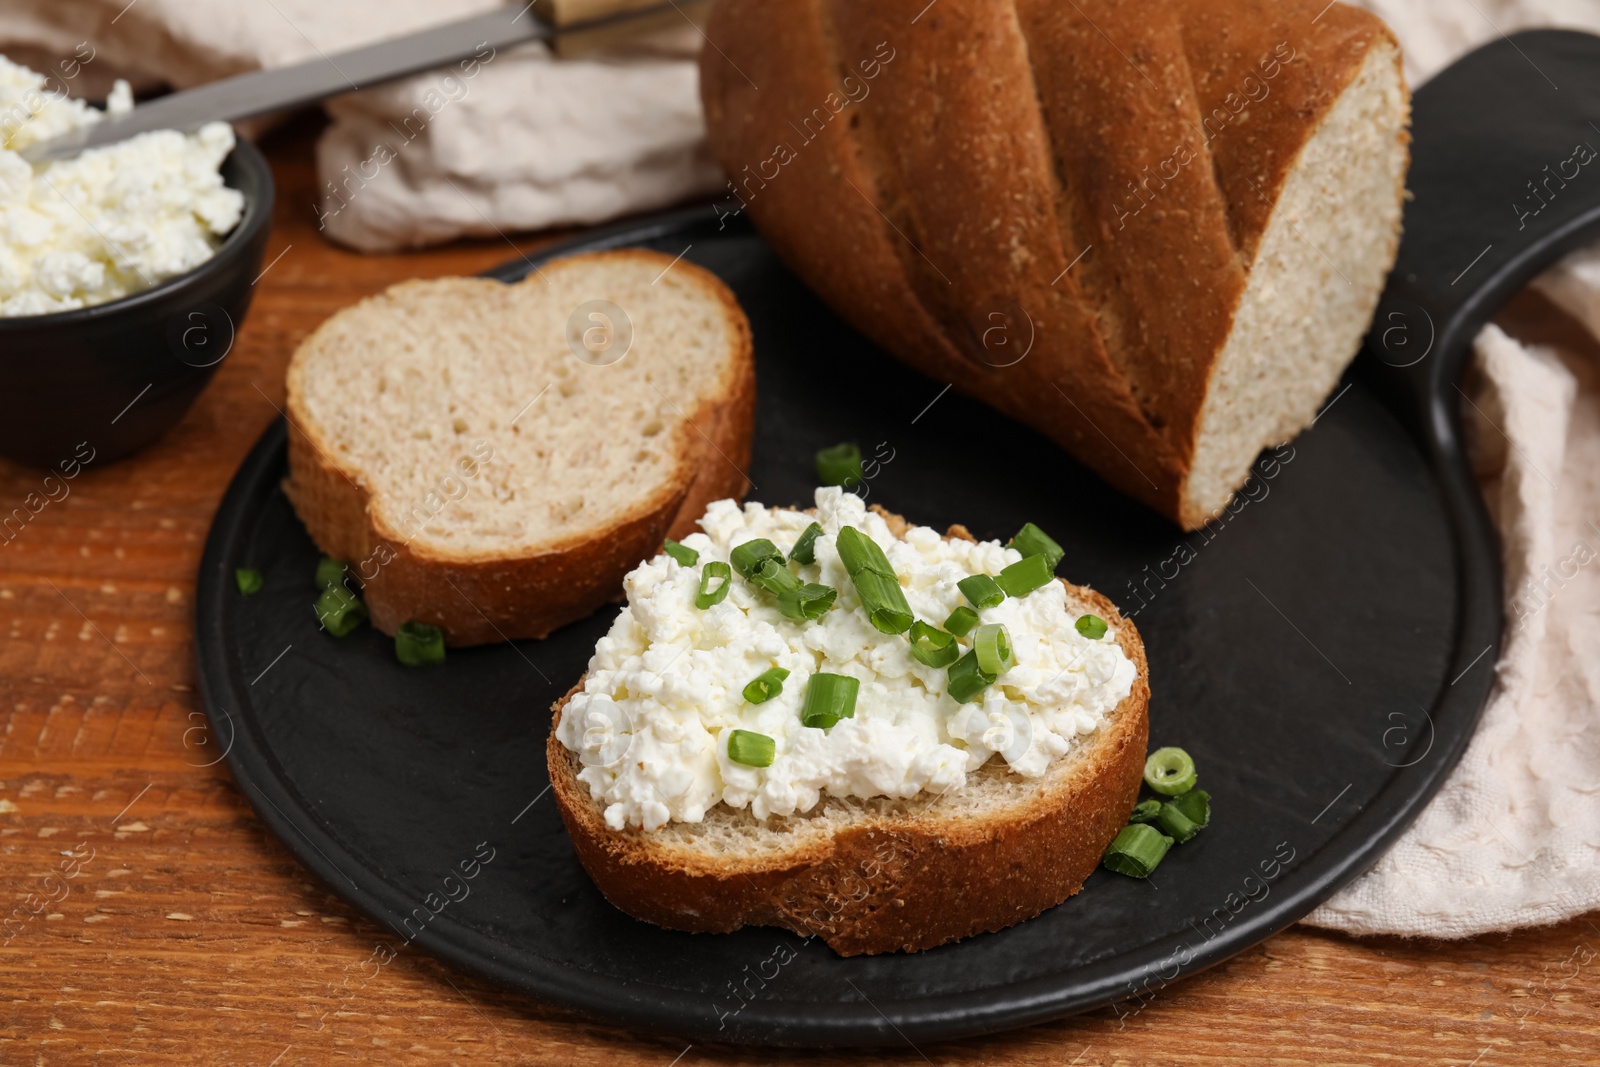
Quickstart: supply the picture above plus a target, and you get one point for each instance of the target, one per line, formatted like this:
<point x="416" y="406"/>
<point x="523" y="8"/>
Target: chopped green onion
<point x="967" y="679"/>
<point x="707" y="596"/>
<point x="961" y="621"/>
<point x="249" y="580"/>
<point x="339" y="610"/>
<point x="1184" y="816"/>
<point x="749" y="557"/>
<point x="1137" y="850"/>
<point x="685" y="555"/>
<point x="330" y="572"/>
<point x="1170" y="771"/>
<point x="761" y="564"/>
<point x="416" y="644"/>
<point x="829" y="698"/>
<point x="1091" y="626"/>
<point x="875" y="581"/>
<point x="886" y="605"/>
<point x="858" y="552"/>
<point x="765" y="686"/>
<point x="805" y="549"/>
<point x="933" y="647"/>
<point x="992" y="643"/>
<point x="982" y="590"/>
<point x="840" y="465"/>
<point x="1026" y="575"/>
<point x="1195" y="805"/>
<point x="751" y="749"/>
<point x="1174" y="824"/>
<point x="1032" y="541"/>
<point x="1145" y="811"/>
<point x="810" y="601"/>
<point x="775" y="577"/>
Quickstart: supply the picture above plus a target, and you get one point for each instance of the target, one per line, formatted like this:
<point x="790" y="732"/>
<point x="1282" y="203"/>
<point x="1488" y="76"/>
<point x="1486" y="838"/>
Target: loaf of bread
<point x="492" y="459"/>
<point x="1155" y="230"/>
<point x="880" y="874"/>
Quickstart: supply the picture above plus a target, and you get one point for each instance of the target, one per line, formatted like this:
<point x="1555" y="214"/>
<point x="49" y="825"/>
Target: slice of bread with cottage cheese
<point x="492" y="459"/>
<point x="916" y="822"/>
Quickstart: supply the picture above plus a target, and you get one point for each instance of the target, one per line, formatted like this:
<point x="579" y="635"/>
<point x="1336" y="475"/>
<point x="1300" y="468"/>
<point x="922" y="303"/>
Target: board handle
<point x="1504" y="181"/>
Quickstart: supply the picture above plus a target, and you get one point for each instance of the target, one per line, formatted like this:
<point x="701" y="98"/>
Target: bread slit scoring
<point x="1082" y="213"/>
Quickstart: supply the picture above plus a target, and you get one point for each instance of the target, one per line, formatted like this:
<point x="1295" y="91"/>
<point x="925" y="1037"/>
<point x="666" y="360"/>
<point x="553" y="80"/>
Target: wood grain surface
<point x="175" y="929"/>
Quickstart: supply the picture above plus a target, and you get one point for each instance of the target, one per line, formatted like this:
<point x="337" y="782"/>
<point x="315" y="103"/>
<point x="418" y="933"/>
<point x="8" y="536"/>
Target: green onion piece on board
<point x="249" y="580"/>
<point x="1091" y="626"/>
<point x="961" y="621"/>
<point x="1026" y="575"/>
<point x="1174" y="821"/>
<point x="339" y="610"/>
<point x="1195" y="805"/>
<point x="810" y="601"/>
<point x="416" y="644"/>
<point x="749" y="557"/>
<point x="1137" y="850"/>
<point x="982" y="590"/>
<point x="1032" y="541"/>
<point x="1145" y="811"/>
<point x="330" y="572"/>
<point x="708" y="597"/>
<point x="966" y="678"/>
<point x="829" y="698"/>
<point x="765" y="685"/>
<point x="751" y="749"/>
<point x="686" y="556"/>
<point x="933" y="647"/>
<point x="805" y="549"/>
<point x="875" y="581"/>
<point x="1170" y="771"/>
<point x="840" y="465"/>
<point x="992" y="643"/>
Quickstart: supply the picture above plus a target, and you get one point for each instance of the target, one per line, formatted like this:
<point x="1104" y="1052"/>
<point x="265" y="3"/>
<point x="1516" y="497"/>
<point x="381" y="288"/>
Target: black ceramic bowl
<point x="114" y="377"/>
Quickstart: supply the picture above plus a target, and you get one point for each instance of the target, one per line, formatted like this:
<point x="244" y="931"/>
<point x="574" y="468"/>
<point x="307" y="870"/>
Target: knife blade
<point x="262" y="92"/>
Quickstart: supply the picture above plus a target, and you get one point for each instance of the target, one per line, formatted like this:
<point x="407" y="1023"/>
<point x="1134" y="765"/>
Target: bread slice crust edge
<point x="886" y="881"/>
<point x="477" y="598"/>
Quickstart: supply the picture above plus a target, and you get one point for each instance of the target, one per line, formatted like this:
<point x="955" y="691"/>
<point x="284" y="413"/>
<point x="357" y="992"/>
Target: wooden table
<point x="189" y="935"/>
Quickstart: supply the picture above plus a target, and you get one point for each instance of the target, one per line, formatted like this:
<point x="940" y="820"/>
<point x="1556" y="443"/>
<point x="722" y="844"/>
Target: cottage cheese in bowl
<point x="664" y="690"/>
<point x="112" y="221"/>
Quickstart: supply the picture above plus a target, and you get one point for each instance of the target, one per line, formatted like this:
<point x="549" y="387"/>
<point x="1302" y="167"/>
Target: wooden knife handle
<point x="668" y="20"/>
<point x="564" y="13"/>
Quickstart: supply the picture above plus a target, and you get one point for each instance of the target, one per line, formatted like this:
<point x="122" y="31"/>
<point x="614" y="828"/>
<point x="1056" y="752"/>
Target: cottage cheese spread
<point x="664" y="688"/>
<point x="112" y="221"/>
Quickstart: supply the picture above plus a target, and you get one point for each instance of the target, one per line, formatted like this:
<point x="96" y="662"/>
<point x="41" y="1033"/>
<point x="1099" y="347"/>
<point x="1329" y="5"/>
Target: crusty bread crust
<point x="969" y="199"/>
<point x="893" y="876"/>
<point x="482" y="598"/>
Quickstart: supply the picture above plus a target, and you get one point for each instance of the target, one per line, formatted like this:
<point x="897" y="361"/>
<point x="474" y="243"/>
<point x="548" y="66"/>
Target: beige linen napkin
<point x="527" y="143"/>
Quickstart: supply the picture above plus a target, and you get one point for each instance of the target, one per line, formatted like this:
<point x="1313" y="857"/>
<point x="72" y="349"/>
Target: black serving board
<point x="1324" y="651"/>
